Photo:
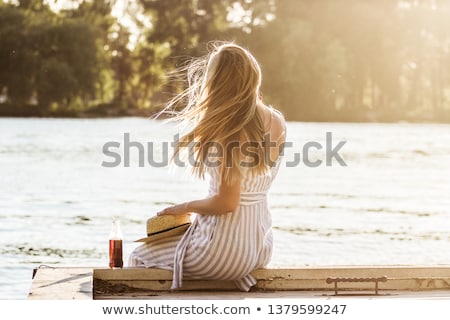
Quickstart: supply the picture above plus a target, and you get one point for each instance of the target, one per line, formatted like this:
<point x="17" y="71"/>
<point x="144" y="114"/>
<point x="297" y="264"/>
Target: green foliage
<point x="56" y="82"/>
<point x="15" y="58"/>
<point x="67" y="61"/>
<point x="97" y="14"/>
<point x="327" y="60"/>
<point x="149" y="74"/>
<point x="46" y="60"/>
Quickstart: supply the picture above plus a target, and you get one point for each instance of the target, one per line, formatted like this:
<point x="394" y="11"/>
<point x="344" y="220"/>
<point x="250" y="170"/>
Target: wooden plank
<point x="406" y="272"/>
<point x="132" y="274"/>
<point x="306" y="294"/>
<point x="353" y="271"/>
<point x="102" y="283"/>
<point x="108" y="281"/>
<point x="320" y="284"/>
<point x="61" y="284"/>
<point x="269" y="285"/>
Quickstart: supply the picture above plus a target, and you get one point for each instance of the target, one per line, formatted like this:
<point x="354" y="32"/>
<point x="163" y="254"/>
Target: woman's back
<point x="234" y="244"/>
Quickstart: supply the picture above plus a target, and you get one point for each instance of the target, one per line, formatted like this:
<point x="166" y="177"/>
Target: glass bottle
<point x="115" y="245"/>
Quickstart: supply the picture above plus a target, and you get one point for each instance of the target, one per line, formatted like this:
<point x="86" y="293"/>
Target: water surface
<point x="389" y="205"/>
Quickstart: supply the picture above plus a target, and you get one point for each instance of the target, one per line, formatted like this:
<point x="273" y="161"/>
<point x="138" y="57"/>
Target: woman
<point x="238" y="143"/>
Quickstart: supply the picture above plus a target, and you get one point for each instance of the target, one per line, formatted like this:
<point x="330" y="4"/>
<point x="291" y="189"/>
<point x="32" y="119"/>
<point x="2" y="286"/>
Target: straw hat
<point x="166" y="225"/>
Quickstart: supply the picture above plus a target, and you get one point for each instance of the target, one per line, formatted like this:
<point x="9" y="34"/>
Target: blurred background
<point x="323" y="60"/>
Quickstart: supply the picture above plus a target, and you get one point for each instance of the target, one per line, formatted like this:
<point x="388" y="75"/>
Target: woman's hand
<point x="177" y="209"/>
<point x="224" y="202"/>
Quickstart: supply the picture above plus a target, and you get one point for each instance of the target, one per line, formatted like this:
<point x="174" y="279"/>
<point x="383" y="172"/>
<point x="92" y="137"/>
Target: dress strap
<point x="270" y="121"/>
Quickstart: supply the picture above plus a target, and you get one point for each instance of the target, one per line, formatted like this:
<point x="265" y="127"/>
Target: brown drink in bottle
<point x="115" y="245"/>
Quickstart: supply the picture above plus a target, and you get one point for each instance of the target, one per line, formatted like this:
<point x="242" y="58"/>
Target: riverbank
<point x="110" y="110"/>
<point x="100" y="111"/>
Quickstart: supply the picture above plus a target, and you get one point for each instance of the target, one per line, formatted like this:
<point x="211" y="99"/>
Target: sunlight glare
<point x="57" y="6"/>
<point x="127" y="14"/>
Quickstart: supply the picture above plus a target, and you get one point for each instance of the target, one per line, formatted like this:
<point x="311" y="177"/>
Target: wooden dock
<point x="424" y="282"/>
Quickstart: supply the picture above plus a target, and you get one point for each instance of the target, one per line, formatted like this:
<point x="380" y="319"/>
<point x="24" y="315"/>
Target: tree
<point x="44" y="57"/>
<point x="16" y="60"/>
<point x="67" y="57"/>
<point x="97" y="14"/>
<point x="181" y="29"/>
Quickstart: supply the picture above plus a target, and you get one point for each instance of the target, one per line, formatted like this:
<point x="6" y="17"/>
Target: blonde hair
<point x="221" y="102"/>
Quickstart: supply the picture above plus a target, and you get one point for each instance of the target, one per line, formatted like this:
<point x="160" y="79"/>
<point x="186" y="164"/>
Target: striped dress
<point x="219" y="247"/>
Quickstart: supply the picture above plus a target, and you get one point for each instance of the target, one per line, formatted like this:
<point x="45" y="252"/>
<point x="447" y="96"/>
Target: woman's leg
<point x="156" y="254"/>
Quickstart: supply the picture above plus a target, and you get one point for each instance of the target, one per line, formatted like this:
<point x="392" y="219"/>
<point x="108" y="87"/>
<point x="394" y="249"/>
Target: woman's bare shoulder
<point x="278" y="123"/>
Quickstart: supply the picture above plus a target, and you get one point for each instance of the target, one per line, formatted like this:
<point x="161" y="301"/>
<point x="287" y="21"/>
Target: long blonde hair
<point x="221" y="102"/>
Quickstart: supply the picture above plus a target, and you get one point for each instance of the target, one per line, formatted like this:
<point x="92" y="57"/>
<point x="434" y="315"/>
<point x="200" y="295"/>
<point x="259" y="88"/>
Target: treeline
<point x="324" y="60"/>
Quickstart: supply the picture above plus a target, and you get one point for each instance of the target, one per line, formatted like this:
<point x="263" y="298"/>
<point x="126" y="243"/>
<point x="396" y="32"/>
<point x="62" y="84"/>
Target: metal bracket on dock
<point x="337" y="280"/>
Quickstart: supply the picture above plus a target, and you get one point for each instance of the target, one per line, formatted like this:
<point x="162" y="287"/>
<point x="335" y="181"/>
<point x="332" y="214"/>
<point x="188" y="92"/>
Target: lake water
<point x="388" y="205"/>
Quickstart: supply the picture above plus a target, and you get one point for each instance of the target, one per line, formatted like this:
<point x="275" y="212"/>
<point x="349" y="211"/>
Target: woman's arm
<point x="227" y="200"/>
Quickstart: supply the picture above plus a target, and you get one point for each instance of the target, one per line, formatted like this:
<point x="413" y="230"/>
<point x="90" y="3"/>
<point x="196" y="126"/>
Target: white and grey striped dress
<point x="219" y="247"/>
